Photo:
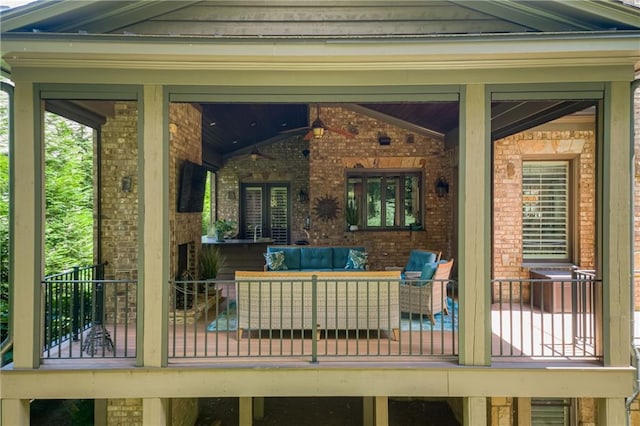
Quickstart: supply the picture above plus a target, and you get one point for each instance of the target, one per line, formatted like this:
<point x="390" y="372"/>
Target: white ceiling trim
<point x="319" y="55"/>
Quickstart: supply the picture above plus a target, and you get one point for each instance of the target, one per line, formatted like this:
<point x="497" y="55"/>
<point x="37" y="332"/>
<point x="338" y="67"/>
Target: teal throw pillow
<point x="428" y="270"/>
<point x="357" y="259"/>
<point x="275" y="261"/>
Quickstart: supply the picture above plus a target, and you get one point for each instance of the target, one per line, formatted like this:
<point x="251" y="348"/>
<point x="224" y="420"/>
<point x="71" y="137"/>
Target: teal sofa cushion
<point x="316" y="258"/>
<point x="341" y="256"/>
<point x="291" y="256"/>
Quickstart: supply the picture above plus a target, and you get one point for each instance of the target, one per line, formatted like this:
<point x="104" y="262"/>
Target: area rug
<point x="443" y="322"/>
<point x="227" y="320"/>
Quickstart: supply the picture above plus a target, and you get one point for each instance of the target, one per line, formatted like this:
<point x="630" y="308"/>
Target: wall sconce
<point x="384" y="139"/>
<point x="305" y="153"/>
<point x="126" y="183"/>
<point x="303" y="197"/>
<point x="442" y="187"/>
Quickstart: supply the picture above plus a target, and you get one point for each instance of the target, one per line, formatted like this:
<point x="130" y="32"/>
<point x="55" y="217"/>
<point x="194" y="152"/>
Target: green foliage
<point x="68" y="199"/>
<point x="69" y="194"/>
<point x="206" y="211"/>
<point x="211" y="261"/>
<point x="351" y="213"/>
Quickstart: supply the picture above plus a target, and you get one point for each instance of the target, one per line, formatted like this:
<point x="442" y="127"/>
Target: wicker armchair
<point x="430" y="298"/>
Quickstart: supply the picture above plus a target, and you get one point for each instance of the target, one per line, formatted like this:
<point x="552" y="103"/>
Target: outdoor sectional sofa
<point x="315" y="258"/>
<point x="283" y="300"/>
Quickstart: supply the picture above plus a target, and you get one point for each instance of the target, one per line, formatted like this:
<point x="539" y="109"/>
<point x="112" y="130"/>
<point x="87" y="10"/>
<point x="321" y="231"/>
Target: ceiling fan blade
<point x="266" y="156"/>
<point x="344" y="133"/>
<point x="296" y="130"/>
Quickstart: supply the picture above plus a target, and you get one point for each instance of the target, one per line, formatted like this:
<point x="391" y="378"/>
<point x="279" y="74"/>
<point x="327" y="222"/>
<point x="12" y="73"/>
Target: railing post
<point x="314" y="319"/>
<point x="75" y="320"/>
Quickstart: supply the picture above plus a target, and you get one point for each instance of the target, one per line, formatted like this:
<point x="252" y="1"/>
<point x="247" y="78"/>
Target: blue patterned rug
<point x="227" y="320"/>
<point x="443" y="322"/>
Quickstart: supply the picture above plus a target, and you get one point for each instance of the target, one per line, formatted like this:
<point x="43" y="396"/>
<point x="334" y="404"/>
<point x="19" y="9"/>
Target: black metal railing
<point x="312" y="319"/>
<point x="88" y="316"/>
<point x="547" y="318"/>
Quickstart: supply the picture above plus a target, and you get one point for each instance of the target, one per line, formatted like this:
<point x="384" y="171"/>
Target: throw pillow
<point x="275" y="261"/>
<point x="357" y="260"/>
<point x="428" y="269"/>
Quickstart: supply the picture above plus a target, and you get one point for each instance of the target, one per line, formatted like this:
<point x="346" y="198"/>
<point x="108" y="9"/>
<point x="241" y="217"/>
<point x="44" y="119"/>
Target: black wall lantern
<point x="442" y="187"/>
<point x="303" y="197"/>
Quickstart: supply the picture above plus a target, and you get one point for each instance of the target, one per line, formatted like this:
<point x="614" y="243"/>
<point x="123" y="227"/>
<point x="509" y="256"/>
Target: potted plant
<point x="222" y="228"/>
<point x="211" y="262"/>
<point x="351" y="215"/>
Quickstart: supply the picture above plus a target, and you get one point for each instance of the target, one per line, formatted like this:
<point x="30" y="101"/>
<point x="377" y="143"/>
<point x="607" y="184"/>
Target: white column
<point x="474" y="411"/>
<point x="27" y="235"/>
<point x="14" y="412"/>
<point x="617" y="219"/>
<point x="611" y="412"/>
<point x="156" y="411"/>
<point x="154" y="223"/>
<point x="474" y="228"/>
<point x="245" y="411"/>
<point x="100" y="412"/>
<point x="368" y="414"/>
<point x="382" y="410"/>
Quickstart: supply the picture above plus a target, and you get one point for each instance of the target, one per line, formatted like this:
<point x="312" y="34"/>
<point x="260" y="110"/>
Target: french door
<point x="265" y="211"/>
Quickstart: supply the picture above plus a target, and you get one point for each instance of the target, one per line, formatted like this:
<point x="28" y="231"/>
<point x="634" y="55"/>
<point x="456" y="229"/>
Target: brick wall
<point x="288" y="166"/>
<point x="540" y="144"/>
<point x="119" y="208"/>
<point x="120" y="224"/>
<point x="185" y="128"/>
<point x="128" y="412"/>
<point x="124" y="412"/>
<point x="323" y="174"/>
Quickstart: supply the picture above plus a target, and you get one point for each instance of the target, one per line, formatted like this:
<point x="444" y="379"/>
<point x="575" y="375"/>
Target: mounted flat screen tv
<point x="193" y="178"/>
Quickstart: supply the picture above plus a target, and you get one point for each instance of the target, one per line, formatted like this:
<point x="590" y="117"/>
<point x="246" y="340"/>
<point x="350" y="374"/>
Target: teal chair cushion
<point x="418" y="258"/>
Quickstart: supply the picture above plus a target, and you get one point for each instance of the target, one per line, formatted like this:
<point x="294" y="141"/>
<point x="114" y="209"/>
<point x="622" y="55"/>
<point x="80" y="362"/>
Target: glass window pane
<point x="374" y="203"/>
<point x="545" y="209"/>
<point x="411" y="200"/>
<point x="391" y="217"/>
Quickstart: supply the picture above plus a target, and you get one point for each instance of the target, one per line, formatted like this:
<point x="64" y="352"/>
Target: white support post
<point x="474" y="230"/>
<point x="258" y="407"/>
<point x="27" y="235"/>
<point x="368" y="414"/>
<point x="15" y="412"/>
<point x="245" y="411"/>
<point x="617" y="219"/>
<point x="474" y="411"/>
<point x="154" y="243"/>
<point x="611" y="412"/>
<point x="381" y="410"/>
<point x="156" y="411"/>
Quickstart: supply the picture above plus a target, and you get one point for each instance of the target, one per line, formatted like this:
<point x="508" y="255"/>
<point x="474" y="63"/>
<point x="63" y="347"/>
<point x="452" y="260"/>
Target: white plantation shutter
<point x="545" y="209"/>
<point x="279" y="215"/>
<point x="253" y="211"/>
<point x="550" y="412"/>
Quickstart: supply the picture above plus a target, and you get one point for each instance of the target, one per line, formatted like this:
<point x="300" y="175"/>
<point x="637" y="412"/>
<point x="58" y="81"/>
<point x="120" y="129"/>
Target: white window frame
<point x="542" y="207"/>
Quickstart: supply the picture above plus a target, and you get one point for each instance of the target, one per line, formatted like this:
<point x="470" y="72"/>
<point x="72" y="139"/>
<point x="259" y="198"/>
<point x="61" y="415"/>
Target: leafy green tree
<point x="68" y="194"/>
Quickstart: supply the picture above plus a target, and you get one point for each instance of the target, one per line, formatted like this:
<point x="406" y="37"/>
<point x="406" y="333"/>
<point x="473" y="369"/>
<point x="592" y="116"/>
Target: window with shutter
<point x="551" y="412"/>
<point x="265" y="211"/>
<point x="545" y="210"/>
